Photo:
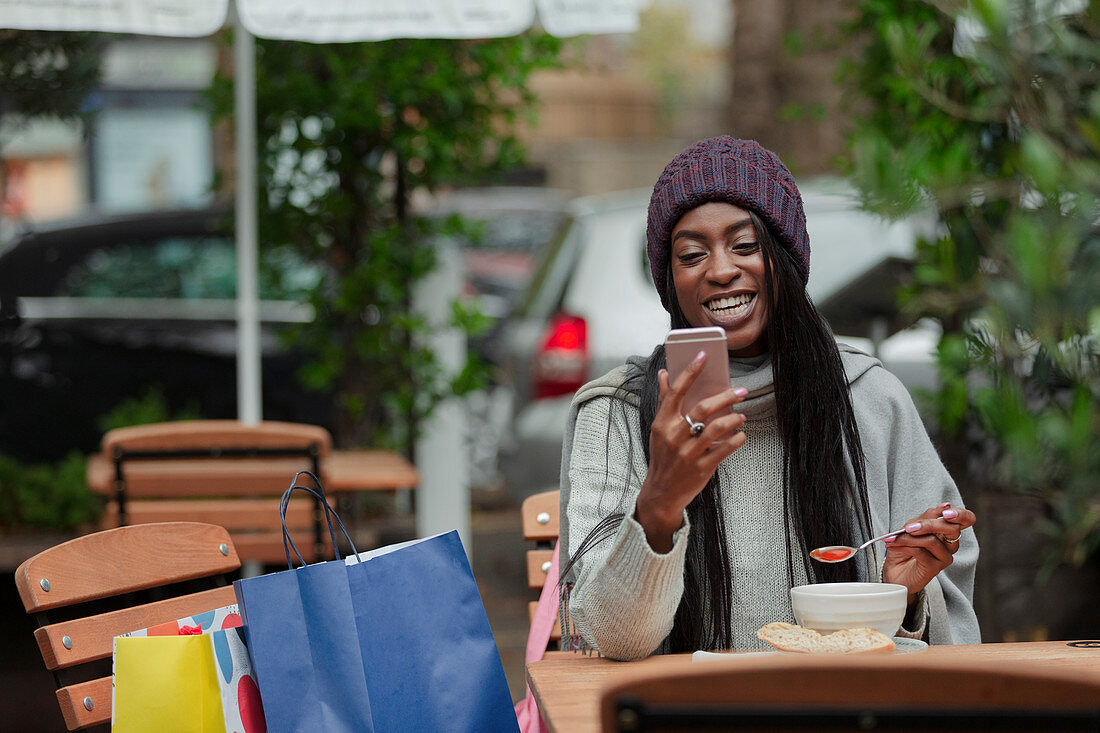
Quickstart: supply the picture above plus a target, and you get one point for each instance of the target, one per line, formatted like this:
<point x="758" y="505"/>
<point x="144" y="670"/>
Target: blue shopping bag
<point x="432" y="662"/>
<point x="303" y="640"/>
<point x="410" y="615"/>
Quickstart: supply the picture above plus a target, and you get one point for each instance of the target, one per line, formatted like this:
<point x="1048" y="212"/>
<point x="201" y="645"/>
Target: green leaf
<point x="1040" y="162"/>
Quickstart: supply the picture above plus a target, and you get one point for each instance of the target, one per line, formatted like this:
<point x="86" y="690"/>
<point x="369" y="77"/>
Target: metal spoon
<point x="840" y="553"/>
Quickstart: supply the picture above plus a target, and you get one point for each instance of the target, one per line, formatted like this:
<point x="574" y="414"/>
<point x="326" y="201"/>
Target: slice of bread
<point x="794" y="638"/>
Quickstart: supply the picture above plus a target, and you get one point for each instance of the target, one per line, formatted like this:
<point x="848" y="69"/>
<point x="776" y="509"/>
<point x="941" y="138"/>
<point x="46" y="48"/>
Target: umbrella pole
<point x="249" y="404"/>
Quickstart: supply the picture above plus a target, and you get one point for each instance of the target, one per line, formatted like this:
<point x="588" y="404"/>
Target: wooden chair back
<point x="82" y="594"/>
<point x="217" y="471"/>
<point x="539" y="516"/>
<point x="858" y="692"/>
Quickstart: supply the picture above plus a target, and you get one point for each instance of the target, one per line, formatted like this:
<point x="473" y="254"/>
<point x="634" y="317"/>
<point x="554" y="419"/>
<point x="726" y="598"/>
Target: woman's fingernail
<point x="944" y="505"/>
<point x="950" y="514"/>
<point x="890" y="539"/>
<point x="912" y="527"/>
<point x="740" y="391"/>
<point x="700" y="356"/>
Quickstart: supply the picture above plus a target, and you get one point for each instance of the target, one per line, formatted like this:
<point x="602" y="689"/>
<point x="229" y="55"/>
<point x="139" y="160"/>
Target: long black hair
<point x="824" y="475"/>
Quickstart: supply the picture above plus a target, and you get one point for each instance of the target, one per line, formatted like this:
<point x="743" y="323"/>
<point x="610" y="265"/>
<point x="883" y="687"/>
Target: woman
<point x="681" y="541"/>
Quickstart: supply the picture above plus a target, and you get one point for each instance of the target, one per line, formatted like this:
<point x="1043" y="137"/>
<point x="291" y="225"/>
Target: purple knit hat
<point x="739" y="172"/>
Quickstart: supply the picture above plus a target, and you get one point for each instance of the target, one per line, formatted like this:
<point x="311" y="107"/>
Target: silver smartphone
<point x="681" y="347"/>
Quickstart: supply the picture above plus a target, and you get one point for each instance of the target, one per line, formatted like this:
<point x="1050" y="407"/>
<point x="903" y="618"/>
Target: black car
<point x="105" y="308"/>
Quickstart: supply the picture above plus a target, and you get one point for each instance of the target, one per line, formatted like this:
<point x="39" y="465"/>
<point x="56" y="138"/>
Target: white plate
<point x="902" y="645"/>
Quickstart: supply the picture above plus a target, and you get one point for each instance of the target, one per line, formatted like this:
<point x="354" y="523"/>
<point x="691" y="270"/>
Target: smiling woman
<point x="681" y="539"/>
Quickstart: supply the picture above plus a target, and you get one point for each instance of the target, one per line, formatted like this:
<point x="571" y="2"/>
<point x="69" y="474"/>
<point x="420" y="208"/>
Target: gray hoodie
<point x="624" y="595"/>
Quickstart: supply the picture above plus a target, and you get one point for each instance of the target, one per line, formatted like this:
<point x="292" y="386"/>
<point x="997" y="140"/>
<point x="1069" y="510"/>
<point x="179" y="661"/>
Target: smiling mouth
<point x="730" y="306"/>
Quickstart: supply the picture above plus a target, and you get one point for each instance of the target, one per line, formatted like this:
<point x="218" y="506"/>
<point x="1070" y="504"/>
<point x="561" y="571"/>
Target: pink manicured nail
<point x="740" y="391"/>
<point x="700" y="356"/>
<point x="950" y="514"/>
<point x="890" y="539"/>
<point x="912" y="527"/>
<point x="944" y="505"/>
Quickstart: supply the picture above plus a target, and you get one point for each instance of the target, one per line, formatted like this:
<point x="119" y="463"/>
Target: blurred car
<point x="507" y="231"/>
<point x="510" y="228"/>
<point x="102" y="308"/>
<point x="591" y="304"/>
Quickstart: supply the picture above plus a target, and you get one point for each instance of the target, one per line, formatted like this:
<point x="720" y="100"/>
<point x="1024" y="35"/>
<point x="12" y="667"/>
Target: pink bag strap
<point x="527" y="712"/>
<point x="544" y="613"/>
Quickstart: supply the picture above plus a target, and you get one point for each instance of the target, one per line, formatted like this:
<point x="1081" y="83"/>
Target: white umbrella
<point x="318" y="21"/>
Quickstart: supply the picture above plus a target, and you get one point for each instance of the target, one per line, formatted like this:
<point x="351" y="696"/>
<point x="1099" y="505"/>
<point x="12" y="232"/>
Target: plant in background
<point x="990" y="111"/>
<point x="56" y="495"/>
<point x="348" y="135"/>
<point x="48" y="496"/>
<point x="150" y="407"/>
<point x="46" y="74"/>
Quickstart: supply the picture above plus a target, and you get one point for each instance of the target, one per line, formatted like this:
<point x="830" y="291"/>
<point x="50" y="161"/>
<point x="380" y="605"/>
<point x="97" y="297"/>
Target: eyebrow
<point x="730" y="230"/>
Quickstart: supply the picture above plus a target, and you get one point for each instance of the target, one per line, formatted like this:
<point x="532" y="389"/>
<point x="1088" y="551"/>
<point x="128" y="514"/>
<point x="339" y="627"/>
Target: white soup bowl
<point x="829" y="607"/>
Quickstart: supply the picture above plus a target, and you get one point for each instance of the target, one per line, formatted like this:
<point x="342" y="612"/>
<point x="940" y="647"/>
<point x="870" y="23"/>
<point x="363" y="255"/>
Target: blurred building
<point x="785" y="93"/>
<point x="609" y="121"/>
<point x="44" y="168"/>
<point x="150" y="145"/>
<point x="762" y="69"/>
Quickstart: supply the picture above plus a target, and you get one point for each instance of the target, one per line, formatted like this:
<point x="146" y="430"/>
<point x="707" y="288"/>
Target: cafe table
<point x="567" y="686"/>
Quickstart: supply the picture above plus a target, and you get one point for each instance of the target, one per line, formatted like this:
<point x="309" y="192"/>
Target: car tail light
<point x="561" y="365"/>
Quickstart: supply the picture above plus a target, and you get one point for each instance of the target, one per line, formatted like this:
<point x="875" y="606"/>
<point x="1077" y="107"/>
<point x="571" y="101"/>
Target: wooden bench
<point x="227" y="473"/>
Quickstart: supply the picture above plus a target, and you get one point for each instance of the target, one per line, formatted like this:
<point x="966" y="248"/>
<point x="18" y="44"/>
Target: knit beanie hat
<point x="738" y="172"/>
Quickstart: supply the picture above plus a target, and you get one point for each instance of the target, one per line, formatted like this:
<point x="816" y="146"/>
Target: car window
<point x="514" y="230"/>
<point x="551" y="276"/>
<point x="184" y="267"/>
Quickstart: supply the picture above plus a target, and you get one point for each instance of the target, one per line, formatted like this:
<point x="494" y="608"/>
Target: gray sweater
<point x="625" y="595"/>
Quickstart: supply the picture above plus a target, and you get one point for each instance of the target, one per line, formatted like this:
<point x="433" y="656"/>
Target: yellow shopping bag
<point x="166" y="684"/>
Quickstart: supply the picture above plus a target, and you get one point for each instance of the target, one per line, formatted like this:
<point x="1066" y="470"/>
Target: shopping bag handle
<point x="319" y="489"/>
<point x="288" y="543"/>
<point x="284" y="504"/>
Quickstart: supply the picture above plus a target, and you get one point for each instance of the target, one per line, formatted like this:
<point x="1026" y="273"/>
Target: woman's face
<point x="718" y="272"/>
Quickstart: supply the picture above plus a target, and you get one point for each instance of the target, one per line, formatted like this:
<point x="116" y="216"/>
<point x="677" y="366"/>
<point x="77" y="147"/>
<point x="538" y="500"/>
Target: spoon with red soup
<point x="840" y="553"/>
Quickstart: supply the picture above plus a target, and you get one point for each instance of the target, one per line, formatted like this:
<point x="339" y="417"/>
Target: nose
<point x="723" y="267"/>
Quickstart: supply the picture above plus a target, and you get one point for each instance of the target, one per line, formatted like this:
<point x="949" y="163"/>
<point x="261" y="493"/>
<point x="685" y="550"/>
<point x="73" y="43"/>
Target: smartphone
<point x="681" y="347"/>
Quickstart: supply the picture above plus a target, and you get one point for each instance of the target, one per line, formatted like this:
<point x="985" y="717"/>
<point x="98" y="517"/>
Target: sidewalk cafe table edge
<point x="567" y="686"/>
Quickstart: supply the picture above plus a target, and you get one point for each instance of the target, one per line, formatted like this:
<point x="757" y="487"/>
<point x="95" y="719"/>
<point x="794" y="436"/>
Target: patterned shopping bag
<point x="221" y="653"/>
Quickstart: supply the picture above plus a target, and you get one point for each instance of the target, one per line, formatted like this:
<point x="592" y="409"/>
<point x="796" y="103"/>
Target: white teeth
<point x="732" y="303"/>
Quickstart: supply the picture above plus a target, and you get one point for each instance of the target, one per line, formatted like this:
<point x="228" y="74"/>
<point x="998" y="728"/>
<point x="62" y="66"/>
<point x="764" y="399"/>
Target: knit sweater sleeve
<point x="625" y="595"/>
<point x="904" y="478"/>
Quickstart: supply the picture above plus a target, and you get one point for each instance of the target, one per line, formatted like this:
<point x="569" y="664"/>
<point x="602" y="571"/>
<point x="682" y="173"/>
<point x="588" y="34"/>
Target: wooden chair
<point x="540" y="515"/>
<point x="83" y="593"/>
<point x="217" y="471"/>
<point x="861" y="692"/>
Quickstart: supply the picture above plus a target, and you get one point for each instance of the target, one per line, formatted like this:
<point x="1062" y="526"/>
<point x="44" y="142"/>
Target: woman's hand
<point x="926" y="548"/>
<point x="680" y="464"/>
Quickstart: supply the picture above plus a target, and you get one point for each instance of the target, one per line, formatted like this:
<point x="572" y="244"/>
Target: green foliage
<point x="150" y="407"/>
<point x="54" y="497"/>
<point x="1003" y="139"/>
<point x="47" y="73"/>
<point x="348" y="133"/>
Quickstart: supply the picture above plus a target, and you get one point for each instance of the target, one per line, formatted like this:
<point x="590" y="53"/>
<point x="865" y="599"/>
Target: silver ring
<point x="694" y="427"/>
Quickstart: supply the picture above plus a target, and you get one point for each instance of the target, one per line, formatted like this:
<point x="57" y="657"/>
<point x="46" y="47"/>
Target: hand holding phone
<point x="680" y="463"/>
<point x="681" y="347"/>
